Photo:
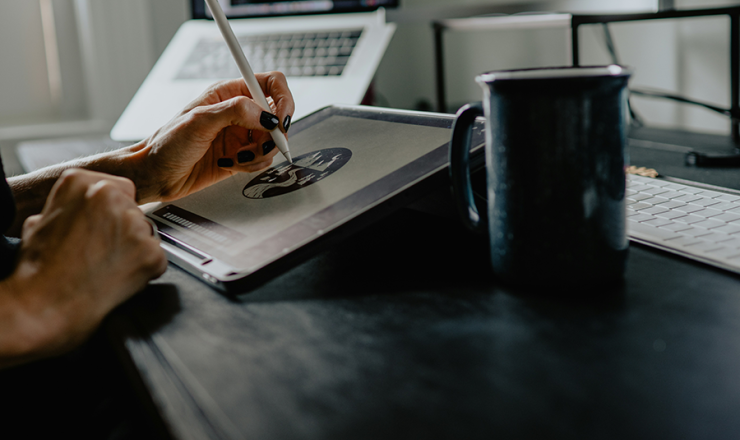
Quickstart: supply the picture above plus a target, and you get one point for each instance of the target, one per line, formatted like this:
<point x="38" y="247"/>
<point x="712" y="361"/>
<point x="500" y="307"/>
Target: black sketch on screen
<point x="306" y="170"/>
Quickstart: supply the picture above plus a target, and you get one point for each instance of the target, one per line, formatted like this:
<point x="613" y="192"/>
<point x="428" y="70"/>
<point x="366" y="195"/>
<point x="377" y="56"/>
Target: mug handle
<point x="459" y="157"/>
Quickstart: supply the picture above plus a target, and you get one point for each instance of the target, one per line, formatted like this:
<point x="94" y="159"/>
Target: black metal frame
<point x="694" y="158"/>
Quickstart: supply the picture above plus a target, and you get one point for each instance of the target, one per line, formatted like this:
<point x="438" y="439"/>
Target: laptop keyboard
<point x="294" y="54"/>
<point x="702" y="224"/>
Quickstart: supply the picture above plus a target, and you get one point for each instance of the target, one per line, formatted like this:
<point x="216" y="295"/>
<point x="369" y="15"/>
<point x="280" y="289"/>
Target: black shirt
<point x="8" y="246"/>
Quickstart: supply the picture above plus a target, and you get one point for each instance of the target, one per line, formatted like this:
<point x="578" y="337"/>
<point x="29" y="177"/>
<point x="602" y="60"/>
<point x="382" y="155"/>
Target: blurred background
<point x="69" y="67"/>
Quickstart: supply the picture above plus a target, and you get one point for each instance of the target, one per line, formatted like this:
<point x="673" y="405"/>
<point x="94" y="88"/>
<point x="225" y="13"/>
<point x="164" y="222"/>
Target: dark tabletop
<point x="402" y="331"/>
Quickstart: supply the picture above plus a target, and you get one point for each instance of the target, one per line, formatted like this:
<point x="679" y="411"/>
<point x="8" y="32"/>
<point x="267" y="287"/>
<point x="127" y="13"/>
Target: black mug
<point x="555" y="164"/>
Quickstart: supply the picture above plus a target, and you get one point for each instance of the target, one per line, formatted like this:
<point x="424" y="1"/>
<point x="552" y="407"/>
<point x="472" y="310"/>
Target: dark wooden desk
<point x="403" y="332"/>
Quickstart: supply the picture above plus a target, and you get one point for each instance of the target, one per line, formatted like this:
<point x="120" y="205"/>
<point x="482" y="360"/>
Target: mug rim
<point x="555" y="73"/>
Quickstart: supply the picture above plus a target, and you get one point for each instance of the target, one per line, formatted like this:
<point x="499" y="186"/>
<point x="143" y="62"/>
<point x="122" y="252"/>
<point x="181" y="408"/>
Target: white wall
<point x="23" y="65"/>
<point x="106" y="48"/>
<point x="690" y="57"/>
<point x="121" y="42"/>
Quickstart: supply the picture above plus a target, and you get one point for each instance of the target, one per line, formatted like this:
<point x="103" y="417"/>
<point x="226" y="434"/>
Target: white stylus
<point x="247" y="73"/>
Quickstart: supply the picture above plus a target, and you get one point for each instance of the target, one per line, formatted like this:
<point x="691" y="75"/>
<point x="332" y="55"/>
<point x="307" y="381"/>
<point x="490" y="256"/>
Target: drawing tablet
<point x="352" y="165"/>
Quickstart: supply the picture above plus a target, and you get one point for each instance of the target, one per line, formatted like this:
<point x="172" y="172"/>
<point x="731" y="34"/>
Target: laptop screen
<point x="268" y="8"/>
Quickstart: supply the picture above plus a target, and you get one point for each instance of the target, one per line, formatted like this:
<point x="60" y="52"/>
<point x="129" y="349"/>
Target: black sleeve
<point x="8" y="246"/>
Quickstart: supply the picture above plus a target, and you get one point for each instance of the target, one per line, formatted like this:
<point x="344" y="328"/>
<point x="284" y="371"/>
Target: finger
<point x="247" y="161"/>
<point x="74" y="183"/>
<point x="239" y="111"/>
<point x="30" y="223"/>
<point x="255" y="156"/>
<point x="275" y="85"/>
<point x="118" y="192"/>
<point x="219" y="92"/>
<point x="151" y="259"/>
<point x="154" y="229"/>
<point x="138" y="223"/>
<point x="142" y="227"/>
<point x="251" y="167"/>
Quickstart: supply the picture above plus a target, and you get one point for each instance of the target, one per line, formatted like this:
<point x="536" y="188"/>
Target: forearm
<point x="31" y="190"/>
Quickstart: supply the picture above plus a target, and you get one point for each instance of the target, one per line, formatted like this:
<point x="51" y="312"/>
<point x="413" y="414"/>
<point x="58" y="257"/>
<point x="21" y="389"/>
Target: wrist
<point x="24" y="335"/>
<point x="135" y="163"/>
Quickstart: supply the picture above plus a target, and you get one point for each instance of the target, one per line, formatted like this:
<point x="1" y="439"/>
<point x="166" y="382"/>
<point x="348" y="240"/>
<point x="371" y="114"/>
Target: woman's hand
<point x="222" y="132"/>
<point x="89" y="250"/>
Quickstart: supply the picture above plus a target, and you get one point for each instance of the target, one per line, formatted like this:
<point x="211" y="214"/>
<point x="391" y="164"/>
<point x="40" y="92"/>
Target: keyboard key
<point x="641" y="228"/>
<point x="674" y="186"/>
<point x="725" y="206"/>
<point x="638" y="217"/>
<point x="689" y="208"/>
<point x="708" y="224"/>
<point x="654" y="210"/>
<point x="636" y="206"/>
<point x="734" y="242"/>
<point x="671" y="204"/>
<point x="677" y="227"/>
<point x="637" y="186"/>
<point x="688" y="198"/>
<point x="656" y="200"/>
<point x="708" y="213"/>
<point x="711" y="194"/>
<point x="640" y="196"/>
<point x="696" y="232"/>
<point x="659" y="222"/>
<point x="728" y="229"/>
<point x="671" y="194"/>
<point x="728" y="198"/>
<point x="681" y="241"/>
<point x="704" y="247"/>
<point x="655" y="190"/>
<point x="690" y="190"/>
<point x="706" y="202"/>
<point x="671" y="215"/>
<point x="723" y="253"/>
<point x="689" y="219"/>
<point x="635" y="178"/>
<point x="716" y="237"/>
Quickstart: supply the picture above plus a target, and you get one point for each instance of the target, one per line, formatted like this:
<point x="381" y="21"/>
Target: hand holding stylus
<point x="246" y="70"/>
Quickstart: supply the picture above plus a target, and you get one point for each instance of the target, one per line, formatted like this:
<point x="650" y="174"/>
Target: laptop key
<point x="640" y="228"/>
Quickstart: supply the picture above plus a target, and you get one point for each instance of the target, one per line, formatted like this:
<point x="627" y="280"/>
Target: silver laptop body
<point x="328" y="58"/>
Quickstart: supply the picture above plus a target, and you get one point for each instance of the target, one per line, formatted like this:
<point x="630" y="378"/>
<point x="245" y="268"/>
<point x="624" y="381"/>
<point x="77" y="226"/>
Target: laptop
<point x="352" y="165"/>
<point x="328" y="49"/>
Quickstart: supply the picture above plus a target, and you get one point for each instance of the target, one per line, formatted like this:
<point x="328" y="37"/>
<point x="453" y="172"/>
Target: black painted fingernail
<point x="267" y="147"/>
<point x="225" y="162"/>
<point x="244" y="156"/>
<point x="286" y="123"/>
<point x="268" y="120"/>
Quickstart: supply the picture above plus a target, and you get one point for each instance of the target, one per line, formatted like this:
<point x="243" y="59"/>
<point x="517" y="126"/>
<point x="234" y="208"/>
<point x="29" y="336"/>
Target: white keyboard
<point x="294" y="54"/>
<point x="692" y="220"/>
